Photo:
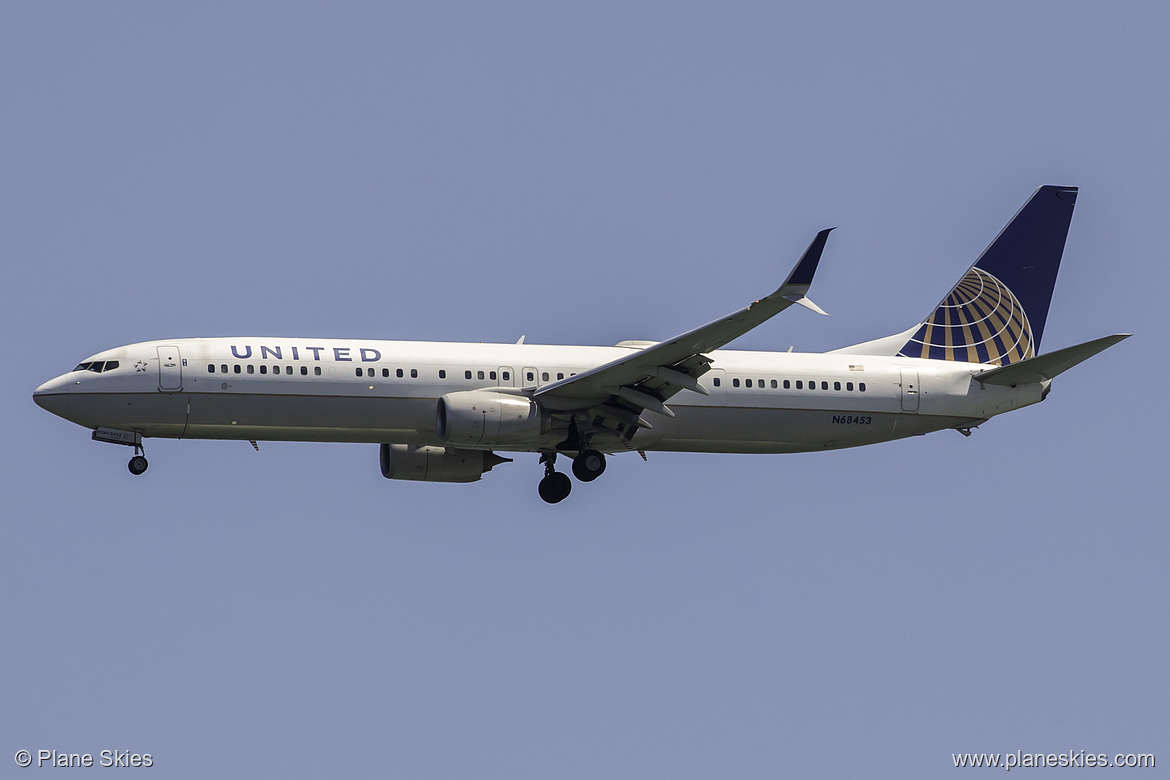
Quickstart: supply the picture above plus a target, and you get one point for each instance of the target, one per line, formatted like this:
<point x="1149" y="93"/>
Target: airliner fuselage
<point x="387" y="391"/>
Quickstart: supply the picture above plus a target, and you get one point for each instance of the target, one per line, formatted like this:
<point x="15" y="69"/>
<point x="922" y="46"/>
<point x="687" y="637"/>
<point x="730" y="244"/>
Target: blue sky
<point x="579" y="174"/>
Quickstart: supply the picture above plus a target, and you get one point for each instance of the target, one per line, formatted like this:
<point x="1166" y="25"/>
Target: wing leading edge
<point x="622" y="389"/>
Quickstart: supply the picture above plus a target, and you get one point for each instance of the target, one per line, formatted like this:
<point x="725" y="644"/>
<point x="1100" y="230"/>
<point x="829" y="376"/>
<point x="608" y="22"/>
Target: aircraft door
<point x="170" y="368"/>
<point x="910" y="389"/>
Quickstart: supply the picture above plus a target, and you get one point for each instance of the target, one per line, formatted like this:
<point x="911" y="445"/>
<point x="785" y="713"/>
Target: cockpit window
<point x="97" y="366"/>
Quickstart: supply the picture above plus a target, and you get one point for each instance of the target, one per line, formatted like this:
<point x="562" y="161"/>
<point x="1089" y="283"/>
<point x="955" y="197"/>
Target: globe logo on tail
<point x="980" y="321"/>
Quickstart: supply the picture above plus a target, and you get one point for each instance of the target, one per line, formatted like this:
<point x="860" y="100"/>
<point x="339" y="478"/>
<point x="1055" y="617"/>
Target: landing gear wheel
<point x="555" y="487"/>
<point x="589" y="465"/>
<point x="137" y="465"/>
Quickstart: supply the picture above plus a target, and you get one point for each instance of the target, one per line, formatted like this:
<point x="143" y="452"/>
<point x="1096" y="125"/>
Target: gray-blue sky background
<point x="579" y="174"/>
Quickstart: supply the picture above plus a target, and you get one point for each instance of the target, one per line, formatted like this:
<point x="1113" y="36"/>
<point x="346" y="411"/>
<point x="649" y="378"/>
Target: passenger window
<point x="317" y="370"/>
<point x="716" y="381"/>
<point x="370" y="373"/>
<point x="759" y="383"/>
<point x="288" y="370"/>
<point x="385" y="373"/>
<point x="492" y="375"/>
<point x="251" y="369"/>
<point x="544" y="376"/>
<point x="263" y="369"/>
<point x="861" y="386"/>
<point x="398" y="373"/>
<point x="414" y="373"/>
<point x="210" y="368"/>
<point x="467" y="375"/>
<point x="787" y="385"/>
<point x="506" y="376"/>
<point x="223" y="368"/>
<point x="747" y="383"/>
<point x="735" y="382"/>
<point x="479" y="375"/>
<point x="276" y="369"/>
<point x="773" y="384"/>
<point x="824" y="385"/>
<point x="442" y="373"/>
<point x="849" y="386"/>
<point x="836" y="385"/>
<point x="531" y="376"/>
<point x="236" y="368"/>
<point x="358" y="371"/>
<point x="304" y="370"/>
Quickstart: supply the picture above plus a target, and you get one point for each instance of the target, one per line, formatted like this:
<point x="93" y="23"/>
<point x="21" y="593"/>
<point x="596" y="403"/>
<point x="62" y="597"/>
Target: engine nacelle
<point x="486" y="418"/>
<point x="436" y="464"/>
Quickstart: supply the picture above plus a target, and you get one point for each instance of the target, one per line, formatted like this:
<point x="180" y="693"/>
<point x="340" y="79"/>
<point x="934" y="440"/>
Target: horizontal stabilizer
<point x="1047" y="366"/>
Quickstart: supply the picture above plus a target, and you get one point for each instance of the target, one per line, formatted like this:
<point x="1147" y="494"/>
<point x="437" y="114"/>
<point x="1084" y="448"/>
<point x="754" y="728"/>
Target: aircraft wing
<point x="646" y="379"/>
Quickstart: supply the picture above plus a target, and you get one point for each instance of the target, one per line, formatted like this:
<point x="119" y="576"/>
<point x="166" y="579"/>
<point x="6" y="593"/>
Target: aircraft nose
<point x="51" y="397"/>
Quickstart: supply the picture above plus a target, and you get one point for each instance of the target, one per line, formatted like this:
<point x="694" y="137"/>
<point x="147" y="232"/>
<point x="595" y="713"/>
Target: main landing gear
<point x="589" y="465"/>
<point x="555" y="486"/>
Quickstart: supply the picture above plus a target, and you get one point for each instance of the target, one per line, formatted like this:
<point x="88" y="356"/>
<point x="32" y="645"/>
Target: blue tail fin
<point x="996" y="313"/>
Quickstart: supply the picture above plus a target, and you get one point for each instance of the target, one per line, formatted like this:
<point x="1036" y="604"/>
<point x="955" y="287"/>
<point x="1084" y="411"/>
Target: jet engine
<point x="436" y="464"/>
<point x="486" y="418"/>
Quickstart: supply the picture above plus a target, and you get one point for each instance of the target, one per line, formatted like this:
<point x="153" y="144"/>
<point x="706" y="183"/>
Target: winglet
<point x="802" y="274"/>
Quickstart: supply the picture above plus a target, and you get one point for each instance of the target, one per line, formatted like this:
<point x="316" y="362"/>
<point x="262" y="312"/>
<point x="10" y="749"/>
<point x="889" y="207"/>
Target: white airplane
<point x="441" y="411"/>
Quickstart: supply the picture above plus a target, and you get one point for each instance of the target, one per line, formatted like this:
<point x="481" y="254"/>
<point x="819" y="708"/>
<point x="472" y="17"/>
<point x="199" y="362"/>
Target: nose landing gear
<point x="137" y="465"/>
